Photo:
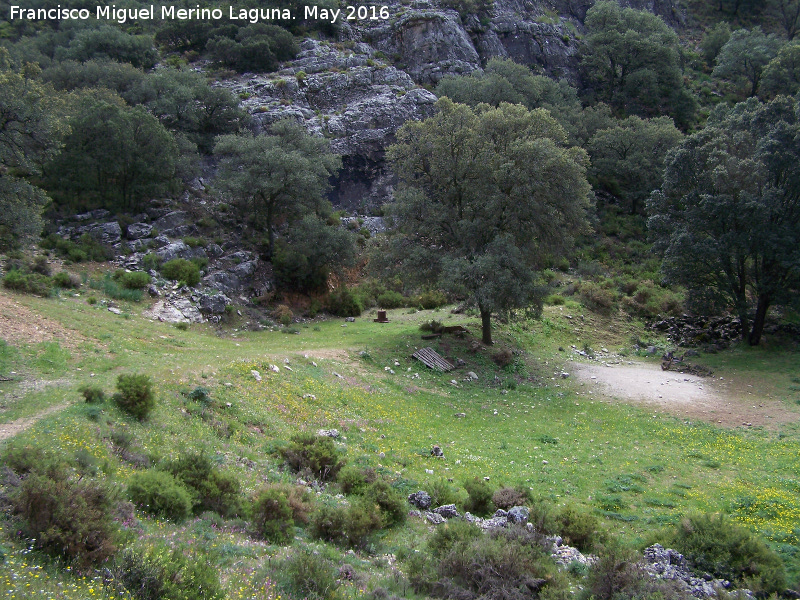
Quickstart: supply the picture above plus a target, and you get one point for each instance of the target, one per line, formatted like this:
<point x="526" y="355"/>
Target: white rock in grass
<point x="256" y="375"/>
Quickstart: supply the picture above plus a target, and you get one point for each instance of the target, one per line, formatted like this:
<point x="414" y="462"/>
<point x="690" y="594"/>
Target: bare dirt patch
<point x="719" y="401"/>
<point x="19" y="324"/>
<point x="11" y="429"/>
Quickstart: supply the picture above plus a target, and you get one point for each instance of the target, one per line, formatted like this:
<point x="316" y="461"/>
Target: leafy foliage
<point x="211" y="489"/>
<point x="135" y="395"/>
<point x="494" y="192"/>
<point x="727" y="218"/>
<point x="272" y="515"/>
<point x="66" y="517"/>
<point x="631" y="60"/>
<point x="314" y="454"/>
<point x="743" y="58"/>
<point x="184" y="271"/>
<point x="161" y="494"/>
<point x="729" y="551"/>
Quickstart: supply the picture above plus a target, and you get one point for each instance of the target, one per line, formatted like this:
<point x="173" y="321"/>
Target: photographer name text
<point x="173" y="13"/>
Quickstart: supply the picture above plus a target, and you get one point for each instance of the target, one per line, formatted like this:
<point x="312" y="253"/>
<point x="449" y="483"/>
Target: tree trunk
<point x="486" y="326"/>
<point x="758" y="322"/>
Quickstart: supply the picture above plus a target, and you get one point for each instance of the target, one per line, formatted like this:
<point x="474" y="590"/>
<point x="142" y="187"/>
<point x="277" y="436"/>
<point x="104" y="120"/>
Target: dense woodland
<point x="666" y="173"/>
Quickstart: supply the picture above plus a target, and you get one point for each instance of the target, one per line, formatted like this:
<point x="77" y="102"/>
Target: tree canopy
<point x="486" y="195"/>
<point x="628" y="158"/>
<point x="30" y="133"/>
<point x="631" y="60"/>
<point x="727" y="217"/>
<point x="743" y="58"/>
<point x="280" y="176"/>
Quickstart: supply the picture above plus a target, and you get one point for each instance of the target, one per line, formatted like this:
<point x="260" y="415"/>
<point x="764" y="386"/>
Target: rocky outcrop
<point x="346" y="95"/>
<point x="670" y="565"/>
<point x="428" y="43"/>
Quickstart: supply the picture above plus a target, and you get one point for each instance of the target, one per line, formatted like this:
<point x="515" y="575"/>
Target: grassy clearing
<point x="523" y="426"/>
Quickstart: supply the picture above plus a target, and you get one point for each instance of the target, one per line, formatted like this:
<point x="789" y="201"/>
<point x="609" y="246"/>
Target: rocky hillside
<point x="359" y="89"/>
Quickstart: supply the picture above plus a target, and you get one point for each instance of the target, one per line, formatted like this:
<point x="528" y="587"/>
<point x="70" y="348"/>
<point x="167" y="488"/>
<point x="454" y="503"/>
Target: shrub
<point x="450" y="534"/>
<point x="503" y="358"/>
<point x="392" y="504"/>
<point x="162" y="573"/>
<point x="432" y="299"/>
<point x="391" y="299"/>
<point x="211" y="489"/>
<point x="314" y="454"/>
<point x="41" y="266"/>
<point x="729" y="551"/>
<point x="508" y="564"/>
<point x="92" y="395"/>
<point x="480" y="497"/>
<point x="132" y="280"/>
<point x="578" y="528"/>
<point x="283" y="314"/>
<point x="135" y="395"/>
<point x="66" y="518"/>
<point x="31" y="283"/>
<point x="344" y="303"/>
<point x="114" y="290"/>
<point x="29" y="459"/>
<point x="181" y="270"/>
<point x="161" y="494"/>
<point x="355" y="480"/>
<point x="596" y="297"/>
<point x="66" y="280"/>
<point x="272" y="515"/>
<point x="617" y="575"/>
<point x="151" y="261"/>
<point x="307" y="574"/>
<point x="508" y="497"/>
<point x="441" y="493"/>
<point x="348" y="525"/>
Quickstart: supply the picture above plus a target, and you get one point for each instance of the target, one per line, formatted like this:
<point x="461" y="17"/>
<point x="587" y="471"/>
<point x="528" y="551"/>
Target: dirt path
<point x="11" y="429"/>
<point x="710" y="399"/>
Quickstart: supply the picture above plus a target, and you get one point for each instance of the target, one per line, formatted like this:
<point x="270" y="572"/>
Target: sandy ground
<point x="11" y="429"/>
<point x="19" y="324"/>
<point x="713" y="399"/>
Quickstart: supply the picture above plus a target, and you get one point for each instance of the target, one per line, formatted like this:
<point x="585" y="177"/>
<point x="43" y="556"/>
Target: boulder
<point x="225" y="282"/>
<point x="177" y="310"/>
<point x="137" y="231"/>
<point x="518" y="514"/>
<point x="213" y="304"/>
<point x="420" y="499"/>
<point x="448" y="511"/>
<point x="171" y="221"/>
<point x="108" y="233"/>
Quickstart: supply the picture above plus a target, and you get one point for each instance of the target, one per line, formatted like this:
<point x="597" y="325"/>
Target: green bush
<point x="211" y="489"/>
<point x="161" y="573"/>
<point x="35" y="284"/>
<point x="508" y="564"/>
<point x="597" y="298"/>
<point x="317" y="455"/>
<point x="135" y="395"/>
<point x="184" y="271"/>
<point x="579" y="529"/>
<point x="92" y="394"/>
<point x="344" y="303"/>
<point x="272" y="515"/>
<point x="480" y="497"/>
<point x="160" y="494"/>
<point x="66" y="518"/>
<point x="432" y="299"/>
<point x="441" y="493"/>
<point x="391" y="299"/>
<point x="347" y="525"/>
<point x="392" y="503"/>
<point x="88" y="248"/>
<point x="729" y="551"/>
<point x="307" y="574"/>
<point x="355" y="480"/>
<point x="114" y="290"/>
<point x="65" y="280"/>
<point x="132" y="280"/>
<point x="617" y="575"/>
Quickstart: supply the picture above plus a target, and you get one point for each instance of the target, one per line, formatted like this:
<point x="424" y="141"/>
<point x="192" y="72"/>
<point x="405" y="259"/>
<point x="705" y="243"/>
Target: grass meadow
<point x="639" y="471"/>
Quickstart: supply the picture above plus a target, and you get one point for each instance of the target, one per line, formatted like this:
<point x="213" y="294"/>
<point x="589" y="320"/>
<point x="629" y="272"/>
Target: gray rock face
<point x="431" y="43"/>
<point x="519" y="514"/>
<point x="420" y="499"/>
<point x="245" y="269"/>
<point x="176" y="310"/>
<point x="665" y="563"/>
<point x="171" y="221"/>
<point x="448" y="511"/>
<point x="108" y="233"/>
<point x="138" y="230"/>
<point x="223" y="281"/>
<point x="213" y="304"/>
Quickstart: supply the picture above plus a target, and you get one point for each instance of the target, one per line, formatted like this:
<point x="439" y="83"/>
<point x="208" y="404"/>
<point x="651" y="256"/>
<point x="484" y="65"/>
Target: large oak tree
<point x="486" y="195"/>
<point x="727" y="217"/>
